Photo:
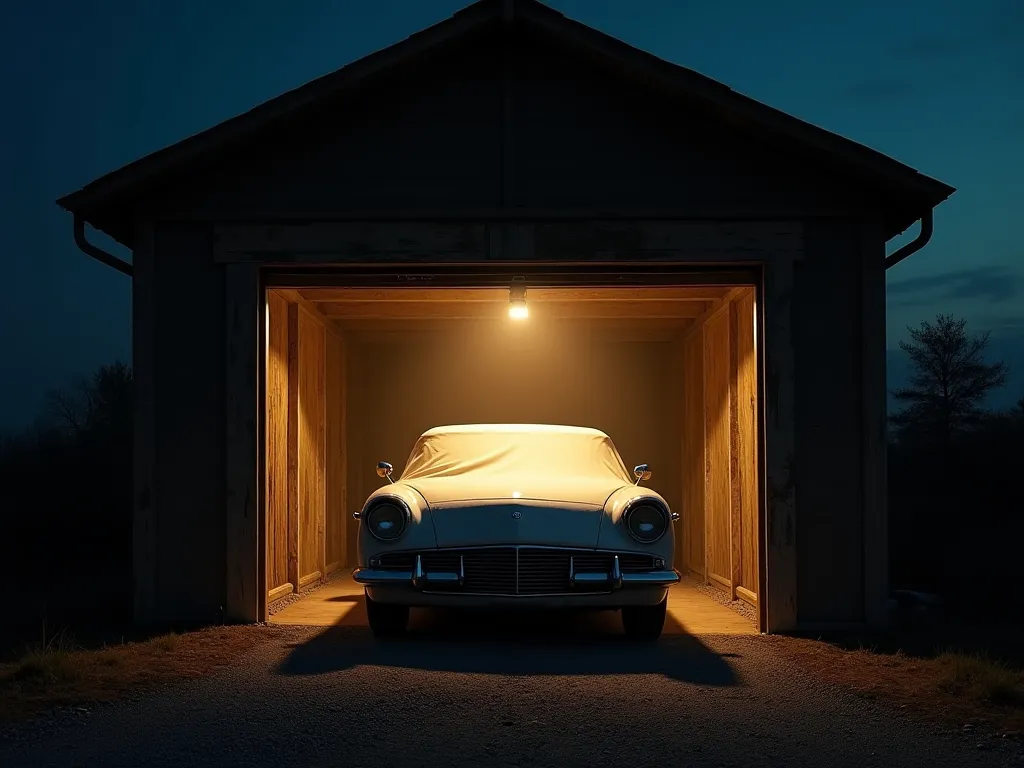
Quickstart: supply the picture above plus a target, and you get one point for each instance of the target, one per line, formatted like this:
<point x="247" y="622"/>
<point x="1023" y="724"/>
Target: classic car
<point x="503" y="515"/>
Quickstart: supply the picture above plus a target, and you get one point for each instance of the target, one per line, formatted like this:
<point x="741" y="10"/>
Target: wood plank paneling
<point x="311" y="434"/>
<point x="693" y="461"/>
<point x="538" y="294"/>
<point x="735" y="488"/>
<point x="746" y="481"/>
<point x="718" y="492"/>
<point x="243" y="317"/>
<point x="336" y="458"/>
<point x="778" y="609"/>
<point x="293" y="444"/>
<point x="277" y="445"/>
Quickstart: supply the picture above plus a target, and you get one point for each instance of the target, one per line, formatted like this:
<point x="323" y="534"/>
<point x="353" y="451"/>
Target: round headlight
<point x="646" y="522"/>
<point x="386" y="521"/>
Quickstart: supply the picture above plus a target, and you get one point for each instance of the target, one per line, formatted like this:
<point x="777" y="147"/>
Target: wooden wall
<point x="719" y="456"/>
<point x="744" y="446"/>
<point x="336" y="453"/>
<point x="278" y="580"/>
<point x="182" y="388"/>
<point x="311" y="359"/>
<point x="306" y="475"/>
<point x="430" y="135"/>
<point x="829" y="424"/>
<point x="692" y="453"/>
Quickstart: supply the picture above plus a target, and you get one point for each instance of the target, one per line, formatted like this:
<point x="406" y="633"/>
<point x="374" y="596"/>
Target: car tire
<point x="644" y="622"/>
<point x="386" y="620"/>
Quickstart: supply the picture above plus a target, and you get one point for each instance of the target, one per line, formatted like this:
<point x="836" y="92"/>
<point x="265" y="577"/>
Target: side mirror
<point x="384" y="470"/>
<point x="642" y="472"/>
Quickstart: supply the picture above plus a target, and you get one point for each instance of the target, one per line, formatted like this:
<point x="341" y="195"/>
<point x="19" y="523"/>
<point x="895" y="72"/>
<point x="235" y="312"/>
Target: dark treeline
<point x="956" y="475"/>
<point x="956" y="491"/>
<point x="65" y="510"/>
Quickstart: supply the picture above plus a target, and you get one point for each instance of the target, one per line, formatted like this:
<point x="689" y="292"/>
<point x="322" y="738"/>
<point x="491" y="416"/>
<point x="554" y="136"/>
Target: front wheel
<point x="644" y="622"/>
<point x="386" y="620"/>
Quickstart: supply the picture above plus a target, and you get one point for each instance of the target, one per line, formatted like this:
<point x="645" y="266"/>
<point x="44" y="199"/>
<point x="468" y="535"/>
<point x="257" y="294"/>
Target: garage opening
<point x="355" y="374"/>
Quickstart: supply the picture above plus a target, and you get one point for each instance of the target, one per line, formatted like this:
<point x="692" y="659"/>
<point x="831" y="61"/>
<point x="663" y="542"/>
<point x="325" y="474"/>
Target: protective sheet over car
<point x="515" y="461"/>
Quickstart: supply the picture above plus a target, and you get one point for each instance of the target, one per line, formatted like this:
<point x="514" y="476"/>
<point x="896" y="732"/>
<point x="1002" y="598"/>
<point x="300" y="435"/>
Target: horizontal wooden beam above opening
<point x="388" y="310"/>
<point x="413" y="294"/>
<point x="626" y="330"/>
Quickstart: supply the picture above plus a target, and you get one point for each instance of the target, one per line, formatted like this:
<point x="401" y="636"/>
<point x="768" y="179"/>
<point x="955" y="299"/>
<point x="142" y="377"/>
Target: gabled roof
<point x="915" y="192"/>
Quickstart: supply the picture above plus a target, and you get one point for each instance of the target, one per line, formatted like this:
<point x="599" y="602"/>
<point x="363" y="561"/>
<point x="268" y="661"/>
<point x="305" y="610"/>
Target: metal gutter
<point x="919" y="242"/>
<point x="98" y="253"/>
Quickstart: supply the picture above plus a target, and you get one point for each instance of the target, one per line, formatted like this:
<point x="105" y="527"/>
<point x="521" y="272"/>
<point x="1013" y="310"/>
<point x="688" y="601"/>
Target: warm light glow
<point x="755" y="325"/>
<point x="516" y="494"/>
<point x="517" y="308"/>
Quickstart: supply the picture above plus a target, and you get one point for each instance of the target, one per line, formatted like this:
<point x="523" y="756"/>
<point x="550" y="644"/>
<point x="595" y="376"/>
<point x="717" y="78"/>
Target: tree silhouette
<point x="950" y="380"/>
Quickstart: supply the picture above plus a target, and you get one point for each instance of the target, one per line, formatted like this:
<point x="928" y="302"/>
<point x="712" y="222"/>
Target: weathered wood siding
<point x="427" y="135"/>
<point x="311" y="445"/>
<point x="278" y="583"/>
<point x="451" y="132"/>
<point x="744" y="465"/>
<point x="692" y="453"/>
<point x="189" y="425"/>
<point x="336" y="452"/>
<point x="829" y="434"/>
<point x="581" y="137"/>
<point x="717" y="436"/>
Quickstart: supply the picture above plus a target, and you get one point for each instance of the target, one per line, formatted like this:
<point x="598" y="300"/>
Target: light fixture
<point x="517" y="308"/>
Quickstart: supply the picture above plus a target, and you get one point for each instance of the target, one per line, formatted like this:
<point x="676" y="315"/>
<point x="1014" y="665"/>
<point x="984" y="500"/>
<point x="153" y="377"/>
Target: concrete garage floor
<point x="339" y="603"/>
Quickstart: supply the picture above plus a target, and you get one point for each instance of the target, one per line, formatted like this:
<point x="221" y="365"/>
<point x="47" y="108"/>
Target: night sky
<point x="91" y="85"/>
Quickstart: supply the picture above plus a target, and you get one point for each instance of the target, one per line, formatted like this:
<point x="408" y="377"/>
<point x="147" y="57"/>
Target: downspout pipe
<point x="98" y="253"/>
<point x="919" y="242"/>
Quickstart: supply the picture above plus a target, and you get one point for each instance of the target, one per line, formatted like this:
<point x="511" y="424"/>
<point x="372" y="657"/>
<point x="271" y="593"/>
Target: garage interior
<point x="354" y="375"/>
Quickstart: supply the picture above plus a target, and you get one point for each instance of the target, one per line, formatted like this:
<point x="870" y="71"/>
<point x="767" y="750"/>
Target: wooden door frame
<point x="249" y="271"/>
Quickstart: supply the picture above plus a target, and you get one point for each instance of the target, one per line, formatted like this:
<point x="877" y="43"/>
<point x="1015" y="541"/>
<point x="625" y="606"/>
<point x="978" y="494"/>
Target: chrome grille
<point x="514" y="570"/>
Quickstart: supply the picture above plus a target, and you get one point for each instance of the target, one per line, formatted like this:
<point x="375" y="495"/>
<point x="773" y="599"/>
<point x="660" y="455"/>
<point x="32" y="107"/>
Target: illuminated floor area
<point x="340" y="603"/>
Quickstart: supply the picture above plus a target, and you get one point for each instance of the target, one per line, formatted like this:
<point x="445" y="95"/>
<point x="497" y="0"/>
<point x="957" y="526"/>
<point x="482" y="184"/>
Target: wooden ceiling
<point x="629" y="310"/>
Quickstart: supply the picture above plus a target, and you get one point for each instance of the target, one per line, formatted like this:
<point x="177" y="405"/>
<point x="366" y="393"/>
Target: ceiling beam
<point x="419" y="295"/>
<point x="718" y="306"/>
<point x="453" y="310"/>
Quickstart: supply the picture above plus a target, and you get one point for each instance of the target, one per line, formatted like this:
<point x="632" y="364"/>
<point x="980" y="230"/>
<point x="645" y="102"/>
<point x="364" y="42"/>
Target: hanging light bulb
<point x="517" y="309"/>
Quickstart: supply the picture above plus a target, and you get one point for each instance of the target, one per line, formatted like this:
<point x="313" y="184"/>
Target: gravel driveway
<point x="571" y="693"/>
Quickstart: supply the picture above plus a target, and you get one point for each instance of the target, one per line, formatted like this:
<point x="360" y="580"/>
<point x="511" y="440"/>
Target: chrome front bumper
<point x="420" y="579"/>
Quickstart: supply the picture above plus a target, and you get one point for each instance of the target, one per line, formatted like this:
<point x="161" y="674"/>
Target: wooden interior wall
<point x="311" y="445"/>
<point x="744" y="449"/>
<point x="692" y="452"/>
<point x="717" y="439"/>
<point x="336" y="453"/>
<point x="719" y="454"/>
<point x="306" y="453"/>
<point x="278" y="584"/>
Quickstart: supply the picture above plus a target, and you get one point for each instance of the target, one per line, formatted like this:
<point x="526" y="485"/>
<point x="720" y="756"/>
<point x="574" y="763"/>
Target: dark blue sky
<point x="91" y="85"/>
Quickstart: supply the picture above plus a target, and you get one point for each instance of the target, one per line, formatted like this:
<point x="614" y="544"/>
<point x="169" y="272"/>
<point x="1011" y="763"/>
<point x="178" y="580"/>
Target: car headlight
<point x="646" y="521"/>
<point x="387" y="520"/>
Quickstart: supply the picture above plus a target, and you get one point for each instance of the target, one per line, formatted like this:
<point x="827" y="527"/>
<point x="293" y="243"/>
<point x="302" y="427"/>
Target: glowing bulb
<point x="517" y="309"/>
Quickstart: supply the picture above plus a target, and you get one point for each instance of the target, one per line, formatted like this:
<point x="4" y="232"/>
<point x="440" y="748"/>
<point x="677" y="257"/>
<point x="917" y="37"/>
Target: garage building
<point x="319" y="280"/>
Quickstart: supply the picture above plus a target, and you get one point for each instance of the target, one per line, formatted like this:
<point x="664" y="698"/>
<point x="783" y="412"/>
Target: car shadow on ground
<point x="509" y="643"/>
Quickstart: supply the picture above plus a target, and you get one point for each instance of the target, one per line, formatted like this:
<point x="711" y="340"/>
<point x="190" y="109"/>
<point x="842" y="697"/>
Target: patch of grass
<point x="51" y="660"/>
<point x="58" y="673"/>
<point x="955" y="687"/>
<point x="976" y="676"/>
<point x="165" y="643"/>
